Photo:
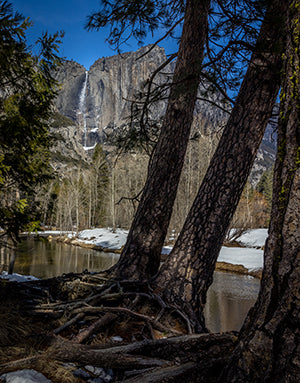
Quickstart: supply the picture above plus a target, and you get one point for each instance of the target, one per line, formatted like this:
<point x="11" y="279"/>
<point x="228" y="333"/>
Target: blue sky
<point x="70" y="15"/>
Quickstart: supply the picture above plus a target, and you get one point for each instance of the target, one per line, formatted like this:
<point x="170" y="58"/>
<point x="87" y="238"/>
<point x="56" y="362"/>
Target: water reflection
<point x="45" y="259"/>
<point x="228" y="301"/>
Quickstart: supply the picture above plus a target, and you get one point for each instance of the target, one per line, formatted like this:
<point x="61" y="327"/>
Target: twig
<point x="214" y="104"/>
<point x="160" y="314"/>
<point x="69" y="323"/>
<point x="151" y="330"/>
<point x="132" y="199"/>
<point x="161" y="39"/>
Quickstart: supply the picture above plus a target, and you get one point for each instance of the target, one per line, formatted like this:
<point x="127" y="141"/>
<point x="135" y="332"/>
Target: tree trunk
<point x="188" y="271"/>
<point x="12" y="260"/>
<point x="140" y="258"/>
<point x="269" y="347"/>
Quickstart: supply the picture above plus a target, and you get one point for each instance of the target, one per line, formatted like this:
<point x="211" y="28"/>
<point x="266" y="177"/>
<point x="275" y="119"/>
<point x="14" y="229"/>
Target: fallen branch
<point x="95" y="327"/>
<point x="19" y="364"/>
<point x="72" y="321"/>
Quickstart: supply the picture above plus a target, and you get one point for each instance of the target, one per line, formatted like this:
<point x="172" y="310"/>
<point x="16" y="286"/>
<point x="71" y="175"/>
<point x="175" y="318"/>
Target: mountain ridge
<point x="100" y="97"/>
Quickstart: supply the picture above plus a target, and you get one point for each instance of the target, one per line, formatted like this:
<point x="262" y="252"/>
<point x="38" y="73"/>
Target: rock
<point x="24" y="376"/>
<point x="111" y="83"/>
<point x="96" y="380"/>
<point x="71" y="76"/>
<point x="97" y="371"/>
<point x="117" y="339"/>
<point x="79" y="373"/>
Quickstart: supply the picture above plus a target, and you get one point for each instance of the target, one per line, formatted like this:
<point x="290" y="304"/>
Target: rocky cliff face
<point x="71" y="78"/>
<point x="101" y="96"/>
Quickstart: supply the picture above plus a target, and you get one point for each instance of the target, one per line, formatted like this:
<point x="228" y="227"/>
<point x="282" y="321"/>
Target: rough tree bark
<point x="269" y="346"/>
<point x="186" y="275"/>
<point x="140" y="258"/>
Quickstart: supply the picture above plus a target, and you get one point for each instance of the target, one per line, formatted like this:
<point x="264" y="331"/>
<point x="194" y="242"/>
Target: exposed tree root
<point x="88" y="316"/>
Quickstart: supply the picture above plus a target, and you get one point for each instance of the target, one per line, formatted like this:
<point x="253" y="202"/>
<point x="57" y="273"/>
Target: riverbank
<point x="247" y="259"/>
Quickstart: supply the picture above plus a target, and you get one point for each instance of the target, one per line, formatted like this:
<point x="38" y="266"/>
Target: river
<point x="228" y="301"/>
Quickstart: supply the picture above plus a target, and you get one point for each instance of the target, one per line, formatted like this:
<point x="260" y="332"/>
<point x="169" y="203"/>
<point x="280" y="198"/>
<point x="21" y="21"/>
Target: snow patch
<point x="17" y="277"/>
<point x="107" y="238"/>
<point x="252" y="259"/>
<point x="24" y="376"/>
<point x="254" y="238"/>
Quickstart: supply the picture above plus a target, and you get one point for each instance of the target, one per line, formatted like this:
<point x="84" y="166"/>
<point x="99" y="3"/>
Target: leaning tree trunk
<point x="188" y="271"/>
<point x="269" y="347"/>
<point x="140" y="258"/>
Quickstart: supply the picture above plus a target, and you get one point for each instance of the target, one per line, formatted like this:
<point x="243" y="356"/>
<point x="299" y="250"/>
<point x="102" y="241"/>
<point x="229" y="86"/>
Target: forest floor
<point x="84" y="328"/>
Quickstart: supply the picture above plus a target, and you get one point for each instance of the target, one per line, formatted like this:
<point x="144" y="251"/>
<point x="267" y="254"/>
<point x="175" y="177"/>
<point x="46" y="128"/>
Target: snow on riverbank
<point x="254" y="238"/>
<point x="105" y="238"/>
<point x="250" y="257"/>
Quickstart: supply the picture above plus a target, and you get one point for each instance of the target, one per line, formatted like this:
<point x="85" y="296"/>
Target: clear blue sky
<point x="70" y="15"/>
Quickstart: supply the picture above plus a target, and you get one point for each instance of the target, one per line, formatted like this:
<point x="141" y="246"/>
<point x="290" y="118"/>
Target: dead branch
<point x="19" y="364"/>
<point x="162" y="38"/>
<point x="72" y="321"/>
<point x="95" y="327"/>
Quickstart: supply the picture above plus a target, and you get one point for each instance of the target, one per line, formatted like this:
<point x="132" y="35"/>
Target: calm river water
<point x="229" y="297"/>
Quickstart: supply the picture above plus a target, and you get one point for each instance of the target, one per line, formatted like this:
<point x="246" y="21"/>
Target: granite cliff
<point x="101" y="97"/>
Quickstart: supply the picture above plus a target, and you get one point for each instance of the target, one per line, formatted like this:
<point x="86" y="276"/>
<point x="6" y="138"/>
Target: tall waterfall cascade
<point x="82" y="108"/>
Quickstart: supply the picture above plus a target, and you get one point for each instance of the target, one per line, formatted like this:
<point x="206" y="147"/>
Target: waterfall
<point x="82" y="107"/>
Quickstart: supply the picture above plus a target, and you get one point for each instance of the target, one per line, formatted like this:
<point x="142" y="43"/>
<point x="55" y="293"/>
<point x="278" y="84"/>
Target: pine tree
<point x="265" y="186"/>
<point x="27" y="90"/>
<point x="188" y="272"/>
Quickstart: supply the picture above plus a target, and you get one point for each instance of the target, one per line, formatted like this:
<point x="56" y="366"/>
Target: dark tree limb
<point x="95" y="327"/>
<point x="69" y="323"/>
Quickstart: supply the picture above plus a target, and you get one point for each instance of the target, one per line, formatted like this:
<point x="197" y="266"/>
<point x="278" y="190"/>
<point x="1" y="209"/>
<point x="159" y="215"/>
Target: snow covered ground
<point x="254" y="238"/>
<point x="248" y="256"/>
<point x="251" y="259"/>
<point x="106" y="238"/>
